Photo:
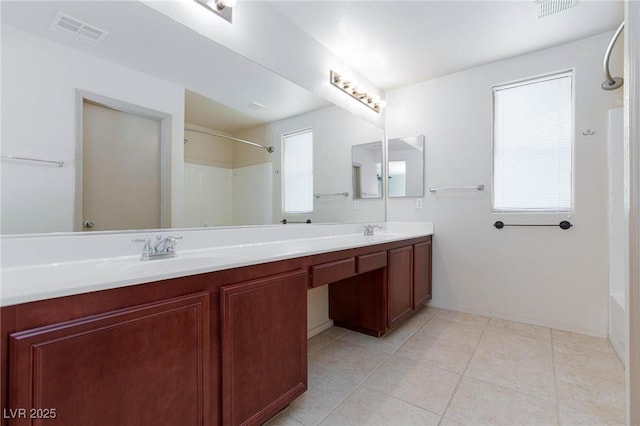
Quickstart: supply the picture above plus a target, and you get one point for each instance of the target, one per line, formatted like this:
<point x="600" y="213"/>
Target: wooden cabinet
<point x="421" y="273"/>
<point x="264" y="346"/>
<point x="329" y="272"/>
<point x="388" y="287"/>
<point x="227" y="347"/>
<point x="400" y="287"/>
<point x="144" y="365"/>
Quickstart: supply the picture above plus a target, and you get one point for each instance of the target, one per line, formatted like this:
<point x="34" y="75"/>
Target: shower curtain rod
<point x="268" y="148"/>
<point x="611" y="83"/>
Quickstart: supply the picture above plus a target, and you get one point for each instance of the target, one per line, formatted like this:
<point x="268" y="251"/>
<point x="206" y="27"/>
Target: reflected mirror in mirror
<point x="366" y="170"/>
<point x="211" y="180"/>
<point x="406" y="166"/>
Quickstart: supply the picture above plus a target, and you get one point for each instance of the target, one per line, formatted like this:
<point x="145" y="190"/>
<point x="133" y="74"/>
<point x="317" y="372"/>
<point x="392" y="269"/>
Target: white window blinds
<point x="532" y="152"/>
<point x="297" y="172"/>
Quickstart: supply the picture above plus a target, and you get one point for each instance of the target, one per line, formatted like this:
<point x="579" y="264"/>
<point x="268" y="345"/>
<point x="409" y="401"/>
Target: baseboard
<point x="319" y="328"/>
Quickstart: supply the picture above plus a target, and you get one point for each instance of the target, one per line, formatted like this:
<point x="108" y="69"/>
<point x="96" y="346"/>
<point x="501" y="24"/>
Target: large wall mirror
<point x="202" y="102"/>
<point x="406" y="166"/>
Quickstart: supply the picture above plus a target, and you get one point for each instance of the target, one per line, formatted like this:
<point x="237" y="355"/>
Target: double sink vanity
<point x="215" y="335"/>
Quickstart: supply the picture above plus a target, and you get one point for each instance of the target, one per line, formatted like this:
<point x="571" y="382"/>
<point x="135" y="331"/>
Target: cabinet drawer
<point x="326" y="273"/>
<point x="369" y="262"/>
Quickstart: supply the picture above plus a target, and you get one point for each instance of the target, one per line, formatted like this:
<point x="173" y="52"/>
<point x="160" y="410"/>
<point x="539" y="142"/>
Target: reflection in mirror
<point x="212" y="180"/>
<point x="406" y="166"/>
<point x="366" y="170"/>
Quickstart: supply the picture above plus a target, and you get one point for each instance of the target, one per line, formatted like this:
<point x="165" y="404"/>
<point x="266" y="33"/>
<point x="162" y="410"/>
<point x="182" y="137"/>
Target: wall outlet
<point x="418" y="203"/>
<point x="356" y="205"/>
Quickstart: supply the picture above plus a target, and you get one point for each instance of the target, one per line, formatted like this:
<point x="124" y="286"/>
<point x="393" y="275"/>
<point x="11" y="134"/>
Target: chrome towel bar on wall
<point x="565" y="224"/>
<point x="456" y="188"/>
<point x="38" y="160"/>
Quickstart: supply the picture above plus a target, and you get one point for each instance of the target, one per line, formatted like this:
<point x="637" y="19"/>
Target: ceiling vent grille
<point x="549" y="7"/>
<point x="65" y="24"/>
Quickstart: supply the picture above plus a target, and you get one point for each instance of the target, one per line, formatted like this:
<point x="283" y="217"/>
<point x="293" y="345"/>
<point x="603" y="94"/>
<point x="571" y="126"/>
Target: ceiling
<point x="397" y="43"/>
<point x="393" y="43"/>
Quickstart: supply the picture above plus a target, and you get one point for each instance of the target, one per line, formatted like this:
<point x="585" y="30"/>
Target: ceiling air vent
<point x="65" y="24"/>
<point x="549" y="7"/>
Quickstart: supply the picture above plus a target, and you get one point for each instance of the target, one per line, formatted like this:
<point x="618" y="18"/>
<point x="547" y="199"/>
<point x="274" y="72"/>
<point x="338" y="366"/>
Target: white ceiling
<point x="393" y="43"/>
<point x="397" y="43"/>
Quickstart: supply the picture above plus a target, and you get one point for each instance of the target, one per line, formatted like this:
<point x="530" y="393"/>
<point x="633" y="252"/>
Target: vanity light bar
<point x="355" y="92"/>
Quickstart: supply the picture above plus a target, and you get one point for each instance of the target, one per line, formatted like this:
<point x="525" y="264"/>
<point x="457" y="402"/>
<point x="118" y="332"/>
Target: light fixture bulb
<point x="225" y="3"/>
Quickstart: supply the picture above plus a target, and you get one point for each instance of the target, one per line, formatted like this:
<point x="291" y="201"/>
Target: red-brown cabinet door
<point x="400" y="283"/>
<point x="264" y="346"/>
<point x="421" y="273"/>
<point x="142" y="365"/>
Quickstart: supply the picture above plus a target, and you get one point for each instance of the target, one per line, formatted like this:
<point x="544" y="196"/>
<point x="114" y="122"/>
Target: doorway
<point x="123" y="168"/>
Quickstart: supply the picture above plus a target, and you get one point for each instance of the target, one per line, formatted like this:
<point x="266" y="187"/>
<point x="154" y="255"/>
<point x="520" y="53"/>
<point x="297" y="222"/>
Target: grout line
<point x="455" y="390"/>
<point x="555" y="378"/>
<point x="361" y="383"/>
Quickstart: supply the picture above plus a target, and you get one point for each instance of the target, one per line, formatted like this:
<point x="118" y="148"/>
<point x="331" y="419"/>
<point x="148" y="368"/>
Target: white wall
<point x="543" y="276"/>
<point x="39" y="118"/>
<point x="252" y="191"/>
<point x="207" y="196"/>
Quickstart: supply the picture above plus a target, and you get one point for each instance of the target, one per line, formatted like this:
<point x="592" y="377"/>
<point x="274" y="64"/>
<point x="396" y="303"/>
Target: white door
<point x="121" y="170"/>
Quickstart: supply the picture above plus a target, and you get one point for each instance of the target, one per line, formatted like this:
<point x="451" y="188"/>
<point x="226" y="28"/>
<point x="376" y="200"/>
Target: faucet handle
<point x="146" y="249"/>
<point x="146" y="241"/>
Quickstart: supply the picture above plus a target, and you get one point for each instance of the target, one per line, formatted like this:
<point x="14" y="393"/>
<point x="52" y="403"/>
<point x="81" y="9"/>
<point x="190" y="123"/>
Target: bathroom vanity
<point x="225" y="346"/>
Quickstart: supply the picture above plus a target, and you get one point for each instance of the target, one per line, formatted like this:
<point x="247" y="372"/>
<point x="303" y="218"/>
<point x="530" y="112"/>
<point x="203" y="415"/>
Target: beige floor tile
<point x="521" y="329"/>
<point x="507" y="342"/>
<point x="453" y="331"/>
<point x="479" y="403"/>
<point x="351" y="362"/>
<point x="421" y="317"/>
<point x="446" y="421"/>
<point x="415" y="382"/>
<point x="321" y="340"/>
<point x="596" y="363"/>
<point x="463" y="317"/>
<point x="391" y="341"/>
<point x="580" y="341"/>
<point x="438" y="352"/>
<point x="370" y="407"/>
<point x="529" y="375"/>
<point x="283" y="418"/>
<point x="571" y="417"/>
<point x="334" y="372"/>
<point x="595" y="395"/>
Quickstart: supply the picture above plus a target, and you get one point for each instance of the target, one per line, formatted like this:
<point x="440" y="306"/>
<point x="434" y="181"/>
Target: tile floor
<point x="450" y="368"/>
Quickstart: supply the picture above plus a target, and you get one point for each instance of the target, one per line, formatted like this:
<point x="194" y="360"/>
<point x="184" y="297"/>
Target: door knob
<point x="88" y="224"/>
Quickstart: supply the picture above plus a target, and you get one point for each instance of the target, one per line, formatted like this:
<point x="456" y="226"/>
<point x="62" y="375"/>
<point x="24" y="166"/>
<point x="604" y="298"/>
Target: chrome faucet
<point x="163" y="248"/>
<point x="368" y="230"/>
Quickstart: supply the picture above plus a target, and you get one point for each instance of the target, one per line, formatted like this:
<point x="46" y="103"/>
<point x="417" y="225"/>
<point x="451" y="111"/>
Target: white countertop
<point x="200" y="251"/>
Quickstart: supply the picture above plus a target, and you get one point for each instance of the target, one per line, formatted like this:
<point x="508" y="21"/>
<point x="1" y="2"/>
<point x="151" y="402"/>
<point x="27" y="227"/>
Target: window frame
<point x="285" y="213"/>
<point x="570" y="72"/>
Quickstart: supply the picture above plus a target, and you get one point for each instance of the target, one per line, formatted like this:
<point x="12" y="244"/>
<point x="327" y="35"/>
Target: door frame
<point x="165" y="151"/>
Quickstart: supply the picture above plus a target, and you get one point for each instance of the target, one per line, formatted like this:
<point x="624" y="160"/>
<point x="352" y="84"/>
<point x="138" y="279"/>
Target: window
<point x="297" y="172"/>
<point x="532" y="145"/>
